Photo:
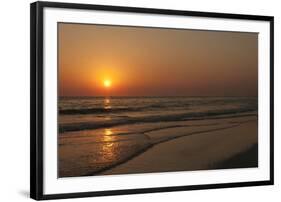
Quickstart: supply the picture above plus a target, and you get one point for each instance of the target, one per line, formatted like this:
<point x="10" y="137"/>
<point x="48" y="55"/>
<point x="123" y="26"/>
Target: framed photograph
<point x="131" y="100"/>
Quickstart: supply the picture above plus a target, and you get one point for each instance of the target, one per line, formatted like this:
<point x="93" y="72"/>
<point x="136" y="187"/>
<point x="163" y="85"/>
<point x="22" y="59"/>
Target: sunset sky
<point x="97" y="60"/>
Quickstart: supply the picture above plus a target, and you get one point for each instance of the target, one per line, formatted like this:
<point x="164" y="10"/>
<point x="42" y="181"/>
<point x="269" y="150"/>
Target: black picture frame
<point x="36" y="98"/>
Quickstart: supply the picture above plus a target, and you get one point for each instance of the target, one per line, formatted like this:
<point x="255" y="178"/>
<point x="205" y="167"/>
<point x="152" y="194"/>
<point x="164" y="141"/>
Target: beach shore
<point x="220" y="143"/>
<point x="233" y="147"/>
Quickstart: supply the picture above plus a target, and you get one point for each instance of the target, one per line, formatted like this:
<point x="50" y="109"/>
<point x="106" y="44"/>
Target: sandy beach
<point x="218" y="149"/>
<point x="217" y="143"/>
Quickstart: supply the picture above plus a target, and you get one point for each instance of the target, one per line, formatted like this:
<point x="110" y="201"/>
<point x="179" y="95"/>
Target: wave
<point x="212" y="114"/>
<point x="99" y="110"/>
<point x="94" y="110"/>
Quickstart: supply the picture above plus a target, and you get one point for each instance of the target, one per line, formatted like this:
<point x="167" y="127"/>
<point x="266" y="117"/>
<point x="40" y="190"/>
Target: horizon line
<point x="157" y="96"/>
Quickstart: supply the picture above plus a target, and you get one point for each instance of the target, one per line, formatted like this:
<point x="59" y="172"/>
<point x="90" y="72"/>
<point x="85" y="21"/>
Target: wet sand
<point x="162" y="147"/>
<point x="234" y="147"/>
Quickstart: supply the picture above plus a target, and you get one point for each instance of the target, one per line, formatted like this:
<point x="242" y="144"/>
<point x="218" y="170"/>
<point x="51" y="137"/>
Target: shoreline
<point x="181" y="158"/>
<point x="194" y="138"/>
<point x="150" y="147"/>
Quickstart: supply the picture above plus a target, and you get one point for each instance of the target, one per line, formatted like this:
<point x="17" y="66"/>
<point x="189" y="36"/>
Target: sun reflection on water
<point x="107" y="103"/>
<point x="108" y="131"/>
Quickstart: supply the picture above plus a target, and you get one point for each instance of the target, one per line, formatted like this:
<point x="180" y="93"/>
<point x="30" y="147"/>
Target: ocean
<point x="97" y="133"/>
<point x="80" y="113"/>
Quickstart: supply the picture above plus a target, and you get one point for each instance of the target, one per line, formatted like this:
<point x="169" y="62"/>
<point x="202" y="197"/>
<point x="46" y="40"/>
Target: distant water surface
<point x="79" y="113"/>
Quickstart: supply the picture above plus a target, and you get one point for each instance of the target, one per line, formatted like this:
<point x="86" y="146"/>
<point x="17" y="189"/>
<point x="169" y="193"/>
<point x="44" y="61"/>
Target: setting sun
<point x="107" y="83"/>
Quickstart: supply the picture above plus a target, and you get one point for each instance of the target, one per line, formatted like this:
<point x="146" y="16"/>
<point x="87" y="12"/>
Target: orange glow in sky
<point x="105" y="60"/>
